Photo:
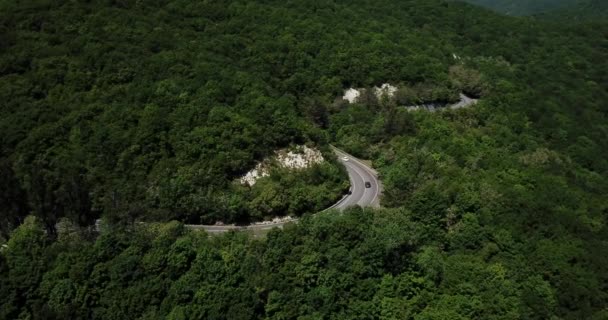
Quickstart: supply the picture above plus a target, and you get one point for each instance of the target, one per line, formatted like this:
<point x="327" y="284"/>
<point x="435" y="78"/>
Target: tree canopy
<point x="146" y="113"/>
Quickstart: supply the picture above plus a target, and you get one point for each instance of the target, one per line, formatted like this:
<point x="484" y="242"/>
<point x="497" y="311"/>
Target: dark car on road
<point x="368" y="184"/>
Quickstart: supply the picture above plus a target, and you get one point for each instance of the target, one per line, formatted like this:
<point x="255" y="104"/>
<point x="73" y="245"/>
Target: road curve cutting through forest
<point x="465" y="101"/>
<point x="365" y="190"/>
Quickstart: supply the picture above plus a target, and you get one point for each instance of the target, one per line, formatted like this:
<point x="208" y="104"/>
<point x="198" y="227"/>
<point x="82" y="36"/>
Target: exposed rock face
<point x="254" y="174"/>
<point x="385" y="90"/>
<point x="352" y="95"/>
<point x="300" y="158"/>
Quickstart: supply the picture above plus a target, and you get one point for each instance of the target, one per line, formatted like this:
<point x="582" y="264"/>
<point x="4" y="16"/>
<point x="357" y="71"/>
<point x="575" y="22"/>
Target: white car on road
<point x="344" y="159"/>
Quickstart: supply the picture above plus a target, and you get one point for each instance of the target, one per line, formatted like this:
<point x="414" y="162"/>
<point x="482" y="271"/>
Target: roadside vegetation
<point x="152" y="110"/>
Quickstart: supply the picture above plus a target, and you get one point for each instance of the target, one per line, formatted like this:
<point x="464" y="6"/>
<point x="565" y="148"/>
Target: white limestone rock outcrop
<point x="352" y="94"/>
<point x="385" y="90"/>
<point x="300" y="157"/>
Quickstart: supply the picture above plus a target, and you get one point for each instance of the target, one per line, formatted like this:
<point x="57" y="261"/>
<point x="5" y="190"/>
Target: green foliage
<point x="24" y="261"/>
<point x="295" y="193"/>
<point x="359" y="264"/>
<point x="468" y="81"/>
<point x="151" y="110"/>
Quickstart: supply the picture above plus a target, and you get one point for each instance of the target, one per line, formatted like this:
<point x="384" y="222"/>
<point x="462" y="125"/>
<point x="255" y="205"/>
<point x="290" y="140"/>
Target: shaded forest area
<point x="551" y="10"/>
<point x="525" y="7"/>
<point x="585" y="10"/>
<point x="150" y="111"/>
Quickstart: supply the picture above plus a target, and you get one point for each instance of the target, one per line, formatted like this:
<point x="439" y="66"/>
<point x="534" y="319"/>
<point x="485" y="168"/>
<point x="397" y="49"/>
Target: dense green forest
<point x="151" y="110"/>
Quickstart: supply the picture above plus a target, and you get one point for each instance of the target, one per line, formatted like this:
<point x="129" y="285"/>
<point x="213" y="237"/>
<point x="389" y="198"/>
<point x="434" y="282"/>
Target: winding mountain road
<point x="358" y="172"/>
<point x="464" y="102"/>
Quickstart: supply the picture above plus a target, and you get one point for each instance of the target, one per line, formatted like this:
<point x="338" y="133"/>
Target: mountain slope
<point x="524" y="7"/>
<point x="148" y="111"/>
<point x="584" y="10"/>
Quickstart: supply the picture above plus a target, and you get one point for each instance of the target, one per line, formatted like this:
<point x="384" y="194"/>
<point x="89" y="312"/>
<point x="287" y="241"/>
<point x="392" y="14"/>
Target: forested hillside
<point x="548" y="9"/>
<point x="524" y="7"/>
<point x="583" y="10"/>
<point x="150" y="111"/>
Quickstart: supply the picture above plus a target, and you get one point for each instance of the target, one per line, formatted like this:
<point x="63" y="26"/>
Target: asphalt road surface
<point x="358" y="172"/>
<point x="464" y="102"/>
